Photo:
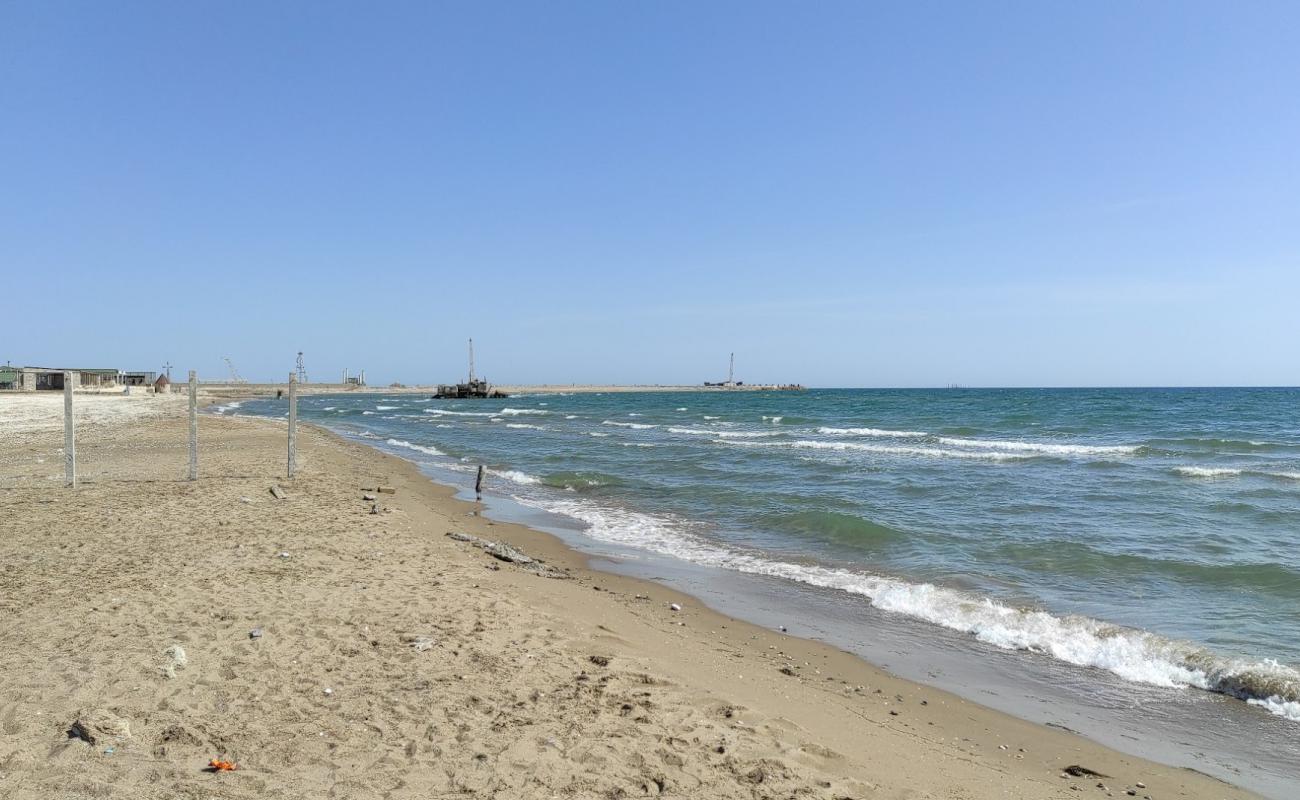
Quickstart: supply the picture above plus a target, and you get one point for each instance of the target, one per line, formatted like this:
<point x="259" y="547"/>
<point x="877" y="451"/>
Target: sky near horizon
<point x="844" y="194"/>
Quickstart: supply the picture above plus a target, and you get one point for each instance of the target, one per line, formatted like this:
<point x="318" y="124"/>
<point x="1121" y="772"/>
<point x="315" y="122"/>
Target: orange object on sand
<point x="222" y="766"/>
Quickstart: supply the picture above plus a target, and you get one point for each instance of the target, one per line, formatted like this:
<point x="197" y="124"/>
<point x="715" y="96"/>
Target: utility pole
<point x="731" y="371"/>
<point x="167" y="368"/>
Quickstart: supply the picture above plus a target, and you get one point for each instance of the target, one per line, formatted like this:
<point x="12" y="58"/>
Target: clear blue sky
<point x="846" y="194"/>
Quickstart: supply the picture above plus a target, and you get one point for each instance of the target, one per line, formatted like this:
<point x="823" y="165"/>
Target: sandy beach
<point x="330" y="651"/>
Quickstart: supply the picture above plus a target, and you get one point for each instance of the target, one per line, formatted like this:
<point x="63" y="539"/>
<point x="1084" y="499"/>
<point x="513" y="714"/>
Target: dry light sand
<point x="584" y="685"/>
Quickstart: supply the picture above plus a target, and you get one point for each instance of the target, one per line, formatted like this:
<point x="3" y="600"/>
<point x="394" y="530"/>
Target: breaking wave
<point x="419" y="448"/>
<point x="884" y="449"/>
<point x="1042" y="447"/>
<point x="1232" y="472"/>
<point x="872" y="432"/>
<point x="725" y="434"/>
<point x="1133" y="655"/>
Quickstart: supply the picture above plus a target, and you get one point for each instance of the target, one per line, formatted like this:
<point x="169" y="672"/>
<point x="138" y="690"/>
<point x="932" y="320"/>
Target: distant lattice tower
<point x="302" y="370"/>
<point x="234" y="375"/>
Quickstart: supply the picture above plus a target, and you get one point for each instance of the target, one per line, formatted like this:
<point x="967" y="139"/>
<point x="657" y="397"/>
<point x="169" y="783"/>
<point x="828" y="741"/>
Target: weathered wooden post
<point x="293" y="423"/>
<point x="194" y="426"/>
<point x="69" y="435"/>
<point x="478" y="484"/>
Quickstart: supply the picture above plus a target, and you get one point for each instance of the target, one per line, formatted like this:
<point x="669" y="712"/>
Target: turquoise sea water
<point x="1149" y="534"/>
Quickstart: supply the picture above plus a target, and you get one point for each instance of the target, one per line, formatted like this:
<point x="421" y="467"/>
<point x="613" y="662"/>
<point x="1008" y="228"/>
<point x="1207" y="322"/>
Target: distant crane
<point x="302" y="370"/>
<point x="234" y="375"/>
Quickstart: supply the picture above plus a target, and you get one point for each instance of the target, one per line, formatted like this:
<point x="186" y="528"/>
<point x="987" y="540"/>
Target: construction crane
<point x="302" y="370"/>
<point x="234" y="375"/>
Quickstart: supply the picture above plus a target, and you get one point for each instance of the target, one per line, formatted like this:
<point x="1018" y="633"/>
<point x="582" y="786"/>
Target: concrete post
<point x="293" y="423"/>
<point x="194" y="426"/>
<point x="69" y="434"/>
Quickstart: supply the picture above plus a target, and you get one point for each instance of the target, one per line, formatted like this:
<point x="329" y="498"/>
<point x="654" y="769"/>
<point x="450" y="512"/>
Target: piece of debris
<point x="421" y="644"/>
<point x="787" y="671"/>
<point x="217" y="765"/>
<point x="385" y="490"/>
<point x="245" y="499"/>
<point x="368" y="497"/>
<point x="175" y="659"/>
<point x="674" y="607"/>
<point x="600" y="661"/>
<point x="1083" y="772"/>
<point x="374" y="508"/>
<point x="782" y="629"/>
<point x="278" y="493"/>
<point x="328" y="691"/>
<point x="255" y="633"/>
<point x="99" y="725"/>
<point x="509" y="554"/>
<point x="284" y="554"/>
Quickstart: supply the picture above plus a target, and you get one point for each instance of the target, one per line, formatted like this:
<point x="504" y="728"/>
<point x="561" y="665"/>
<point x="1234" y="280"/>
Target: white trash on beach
<point x="674" y="607"/>
<point x="176" y="659"/>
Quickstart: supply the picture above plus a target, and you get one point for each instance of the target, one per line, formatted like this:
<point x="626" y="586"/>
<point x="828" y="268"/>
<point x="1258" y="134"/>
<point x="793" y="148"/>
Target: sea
<point x="1124" y="563"/>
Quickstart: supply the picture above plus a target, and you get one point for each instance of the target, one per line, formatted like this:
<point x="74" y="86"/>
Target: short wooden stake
<point x="478" y="484"/>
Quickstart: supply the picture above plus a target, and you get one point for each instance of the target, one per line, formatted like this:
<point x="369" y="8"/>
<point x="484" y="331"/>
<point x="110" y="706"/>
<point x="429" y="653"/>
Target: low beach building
<point x="39" y="379"/>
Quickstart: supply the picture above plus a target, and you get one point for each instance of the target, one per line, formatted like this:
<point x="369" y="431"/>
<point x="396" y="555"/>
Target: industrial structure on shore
<point x="732" y="383"/>
<point x="473" y="388"/>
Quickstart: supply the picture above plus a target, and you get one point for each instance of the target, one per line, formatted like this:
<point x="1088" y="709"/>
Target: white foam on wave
<point x="328" y="408"/>
<point x="387" y="408"/>
<point x="726" y="434"/>
<point x="1233" y="472"/>
<point x="570" y="416"/>
<point x="683" y="408"/>
<point x="419" y="448"/>
<point x="872" y="432"/>
<point x="460" y="413"/>
<point x="639" y="426"/>
<point x="525" y="426"/>
<point x="222" y="409"/>
<point x="1134" y="655"/>
<point x="1046" y="448"/>
<point x="368" y="413"/>
<point x="1289" y="709"/>
<point x="883" y="449"/>
<point x="773" y="420"/>
<point x="514" y="412"/>
<point x="515" y="476"/>
<point x="598" y="434"/>
<point x="1207" y="472"/>
<point x="706" y="416"/>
